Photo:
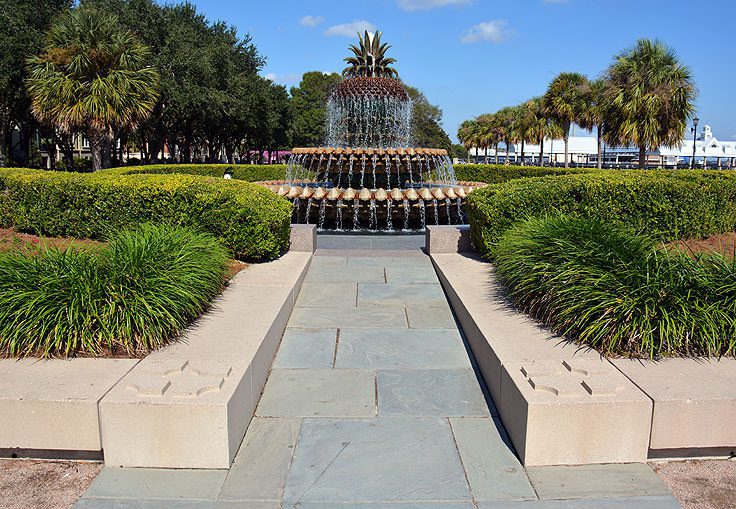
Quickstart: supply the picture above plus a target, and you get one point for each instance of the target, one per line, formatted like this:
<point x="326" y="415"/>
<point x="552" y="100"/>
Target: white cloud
<point x="350" y="29"/>
<point x="311" y="21"/>
<point x="419" y="5"/>
<point x="495" y="31"/>
<point x="270" y="76"/>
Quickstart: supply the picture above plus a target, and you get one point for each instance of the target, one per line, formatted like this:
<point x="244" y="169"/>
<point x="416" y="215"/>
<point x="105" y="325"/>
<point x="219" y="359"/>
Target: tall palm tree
<point x="540" y="125"/>
<point x="491" y="132"/>
<point x="649" y="98"/>
<point x="564" y="102"/>
<point x="369" y="58"/>
<point x="505" y="122"/>
<point x="593" y="114"/>
<point x="468" y="134"/>
<point x="92" y="76"/>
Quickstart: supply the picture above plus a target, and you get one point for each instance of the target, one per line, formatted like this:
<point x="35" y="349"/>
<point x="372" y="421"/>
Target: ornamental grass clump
<point x="129" y="297"/>
<point x="614" y="290"/>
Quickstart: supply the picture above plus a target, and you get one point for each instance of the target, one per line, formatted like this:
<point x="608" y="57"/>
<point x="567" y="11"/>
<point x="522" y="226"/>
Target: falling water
<point x="447" y="209"/>
<point x="309" y="209"/>
<point x="362" y="171"/>
<point x="423" y="213"/>
<point x="460" y="216"/>
<point x="374" y="219"/>
<point x="374" y="160"/>
<point x="338" y="214"/>
<point x="389" y="219"/>
<point x="356" y="214"/>
<point x="435" y="205"/>
<point x="322" y="213"/>
<point x="406" y="215"/>
<point x="295" y="211"/>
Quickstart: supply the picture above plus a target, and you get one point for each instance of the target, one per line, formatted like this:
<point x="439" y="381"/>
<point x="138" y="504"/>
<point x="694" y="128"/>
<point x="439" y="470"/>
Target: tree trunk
<point x="541" y="151"/>
<point x="3" y="144"/>
<point x="567" y="148"/>
<point x="486" y="156"/>
<point x="96" y="146"/>
<point x="523" y="147"/>
<point x="600" y="147"/>
<point x="642" y="157"/>
<point x="497" y="153"/>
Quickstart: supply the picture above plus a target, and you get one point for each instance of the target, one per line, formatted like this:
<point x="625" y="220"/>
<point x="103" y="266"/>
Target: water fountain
<point x="369" y="171"/>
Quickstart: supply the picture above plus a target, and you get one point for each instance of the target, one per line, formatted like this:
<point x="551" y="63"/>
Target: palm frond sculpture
<point x="369" y="58"/>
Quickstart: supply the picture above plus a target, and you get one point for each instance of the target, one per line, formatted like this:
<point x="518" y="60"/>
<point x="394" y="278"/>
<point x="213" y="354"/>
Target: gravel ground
<point x="707" y="484"/>
<point x="30" y="484"/>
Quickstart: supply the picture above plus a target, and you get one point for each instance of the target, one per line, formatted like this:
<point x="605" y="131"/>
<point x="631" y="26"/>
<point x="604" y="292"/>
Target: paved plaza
<point x="373" y="402"/>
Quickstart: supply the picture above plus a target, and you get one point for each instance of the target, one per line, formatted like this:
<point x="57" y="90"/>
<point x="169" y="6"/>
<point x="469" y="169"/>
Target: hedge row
<point x="498" y="173"/>
<point x="247" y="172"/>
<point x="251" y="221"/>
<point x="667" y="205"/>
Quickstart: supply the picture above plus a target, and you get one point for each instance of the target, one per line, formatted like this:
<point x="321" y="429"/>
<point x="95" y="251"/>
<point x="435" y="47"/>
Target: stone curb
<point x="189" y="405"/>
<point x="627" y="410"/>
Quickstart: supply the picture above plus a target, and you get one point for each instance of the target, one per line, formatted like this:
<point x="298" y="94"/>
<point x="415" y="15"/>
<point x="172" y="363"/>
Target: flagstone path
<point x="373" y="402"/>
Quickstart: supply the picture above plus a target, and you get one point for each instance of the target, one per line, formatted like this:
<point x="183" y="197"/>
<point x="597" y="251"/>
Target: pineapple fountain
<point x="369" y="177"/>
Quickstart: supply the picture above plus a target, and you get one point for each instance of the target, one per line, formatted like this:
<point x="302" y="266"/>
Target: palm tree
<point x="564" y="102"/>
<point x="594" y="113"/>
<point x="540" y="125"/>
<point x="369" y="58"/>
<point x="490" y="132"/>
<point x="649" y="98"/>
<point x="92" y="76"/>
<point x="468" y="134"/>
<point x="505" y="123"/>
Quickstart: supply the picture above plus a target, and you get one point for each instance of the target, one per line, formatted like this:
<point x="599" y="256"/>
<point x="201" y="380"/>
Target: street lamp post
<point x="695" y="135"/>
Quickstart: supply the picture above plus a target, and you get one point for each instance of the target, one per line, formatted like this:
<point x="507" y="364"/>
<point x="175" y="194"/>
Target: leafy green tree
<point x="564" y="101"/>
<point x="22" y="28"/>
<point x="650" y="96"/>
<point x="426" y="122"/>
<point x="92" y="75"/>
<point x="309" y="108"/>
<point x="503" y="120"/>
<point x="593" y="114"/>
<point x="458" y="151"/>
<point x="469" y="134"/>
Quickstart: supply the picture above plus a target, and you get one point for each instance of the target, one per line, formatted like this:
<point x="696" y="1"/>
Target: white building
<point x="583" y="150"/>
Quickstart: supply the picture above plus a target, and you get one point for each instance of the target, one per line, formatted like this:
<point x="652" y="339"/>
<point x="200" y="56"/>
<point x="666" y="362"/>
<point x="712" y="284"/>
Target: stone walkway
<point x="373" y="403"/>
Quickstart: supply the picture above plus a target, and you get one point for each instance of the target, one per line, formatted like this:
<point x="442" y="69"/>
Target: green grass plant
<point x="615" y="290"/>
<point x="128" y="297"/>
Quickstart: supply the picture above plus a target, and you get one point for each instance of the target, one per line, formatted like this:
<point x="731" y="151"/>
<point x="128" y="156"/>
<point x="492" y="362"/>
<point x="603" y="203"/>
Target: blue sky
<point x="475" y="56"/>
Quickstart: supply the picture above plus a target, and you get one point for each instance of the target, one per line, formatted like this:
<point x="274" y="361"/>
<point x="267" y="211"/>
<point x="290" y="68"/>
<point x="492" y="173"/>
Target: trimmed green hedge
<point x="498" y="173"/>
<point x="668" y="205"/>
<point x="251" y="221"/>
<point x="247" y="172"/>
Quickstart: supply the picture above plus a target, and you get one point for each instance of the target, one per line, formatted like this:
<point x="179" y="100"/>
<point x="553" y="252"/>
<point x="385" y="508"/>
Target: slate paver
<point x="334" y="318"/>
<point x="318" y="392"/>
<point x="435" y="392"/>
<point x="110" y="503"/>
<point x="327" y="274"/>
<point x="659" y="502"/>
<point x="330" y="262"/>
<point x="377" y="460"/>
<point x="494" y="472"/>
<point x="153" y="483"/>
<point x="411" y="274"/>
<point x="327" y="295"/>
<point x="438" y="318"/>
<point x="593" y="481"/>
<point x="391" y="295"/>
<point x="395" y="349"/>
<point x="306" y="348"/>
<point x="368" y="262"/>
<point x="260" y="467"/>
<point x="389" y="505"/>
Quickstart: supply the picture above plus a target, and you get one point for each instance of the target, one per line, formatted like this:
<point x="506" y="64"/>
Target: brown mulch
<point x="724" y="244"/>
<point x="706" y="484"/>
<point x="30" y="244"/>
<point x="31" y="484"/>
